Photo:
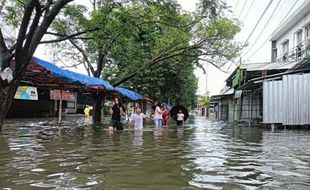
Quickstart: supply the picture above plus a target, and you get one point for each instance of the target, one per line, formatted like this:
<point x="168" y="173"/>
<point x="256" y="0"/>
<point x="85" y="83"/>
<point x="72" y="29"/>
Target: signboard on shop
<point x="66" y="95"/>
<point x="26" y="93"/>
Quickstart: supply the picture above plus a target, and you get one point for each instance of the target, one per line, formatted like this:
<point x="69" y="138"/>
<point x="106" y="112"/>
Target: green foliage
<point x="132" y="36"/>
<point x="203" y="100"/>
<point x="13" y="12"/>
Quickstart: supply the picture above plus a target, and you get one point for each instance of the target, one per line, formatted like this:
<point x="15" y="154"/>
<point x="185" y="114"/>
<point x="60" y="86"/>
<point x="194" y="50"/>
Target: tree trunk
<point x="7" y="93"/>
<point x="97" y="105"/>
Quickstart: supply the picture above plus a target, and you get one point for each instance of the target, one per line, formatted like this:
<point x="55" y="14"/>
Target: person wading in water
<point x="116" y="111"/>
<point x="158" y="116"/>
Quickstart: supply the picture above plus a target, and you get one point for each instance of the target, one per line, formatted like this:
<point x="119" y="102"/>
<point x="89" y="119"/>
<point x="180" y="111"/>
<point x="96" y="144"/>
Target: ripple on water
<point x="204" y="155"/>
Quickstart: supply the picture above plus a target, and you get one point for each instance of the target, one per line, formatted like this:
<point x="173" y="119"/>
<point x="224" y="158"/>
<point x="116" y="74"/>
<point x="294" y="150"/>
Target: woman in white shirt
<point x="158" y="115"/>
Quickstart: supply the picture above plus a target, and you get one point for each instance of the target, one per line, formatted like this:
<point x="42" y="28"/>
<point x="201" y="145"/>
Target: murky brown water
<point x="202" y="155"/>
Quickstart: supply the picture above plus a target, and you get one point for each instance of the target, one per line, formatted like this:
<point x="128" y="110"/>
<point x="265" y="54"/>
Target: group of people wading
<point x="161" y="116"/>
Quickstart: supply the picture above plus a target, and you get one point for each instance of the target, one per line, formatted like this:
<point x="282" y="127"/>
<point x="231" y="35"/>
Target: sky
<point x="248" y="18"/>
<point x="214" y="80"/>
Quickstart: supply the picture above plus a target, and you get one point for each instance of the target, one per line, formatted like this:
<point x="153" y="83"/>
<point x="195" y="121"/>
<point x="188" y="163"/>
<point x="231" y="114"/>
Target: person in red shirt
<point x="166" y="116"/>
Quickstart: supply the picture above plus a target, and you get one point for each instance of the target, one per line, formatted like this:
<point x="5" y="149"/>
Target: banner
<point x="26" y="93"/>
<point x="66" y="95"/>
<point x="238" y="94"/>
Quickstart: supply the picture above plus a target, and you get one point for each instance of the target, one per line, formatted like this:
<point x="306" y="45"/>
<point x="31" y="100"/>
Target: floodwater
<point x="202" y="155"/>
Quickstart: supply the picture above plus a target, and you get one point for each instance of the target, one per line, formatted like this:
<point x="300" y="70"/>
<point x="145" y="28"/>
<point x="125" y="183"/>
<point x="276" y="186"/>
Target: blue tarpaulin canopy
<point x="129" y="94"/>
<point x="72" y="77"/>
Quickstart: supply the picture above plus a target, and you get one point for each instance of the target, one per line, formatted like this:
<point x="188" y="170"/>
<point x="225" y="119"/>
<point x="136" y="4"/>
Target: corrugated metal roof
<point x="304" y="64"/>
<point x="253" y="66"/>
<point x="268" y="66"/>
<point x="229" y="92"/>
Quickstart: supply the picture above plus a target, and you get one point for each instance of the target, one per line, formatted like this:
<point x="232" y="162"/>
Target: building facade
<point x="277" y="92"/>
<point x="291" y="40"/>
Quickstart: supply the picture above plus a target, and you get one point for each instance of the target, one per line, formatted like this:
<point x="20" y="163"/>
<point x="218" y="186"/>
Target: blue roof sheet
<point x="84" y="80"/>
<point x="72" y="77"/>
<point x="128" y="93"/>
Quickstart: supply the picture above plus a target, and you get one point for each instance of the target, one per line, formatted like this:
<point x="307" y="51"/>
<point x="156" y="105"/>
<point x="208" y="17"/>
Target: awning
<point x="44" y="73"/>
<point x="129" y="94"/>
<point x="69" y="76"/>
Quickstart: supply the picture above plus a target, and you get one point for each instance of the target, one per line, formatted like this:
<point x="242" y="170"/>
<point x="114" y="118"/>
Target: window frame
<point x="299" y="37"/>
<point x="307" y="32"/>
<point x="285" y="43"/>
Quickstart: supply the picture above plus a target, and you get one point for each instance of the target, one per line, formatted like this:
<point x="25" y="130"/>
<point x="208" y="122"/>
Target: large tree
<point x="127" y="38"/>
<point x="32" y="19"/>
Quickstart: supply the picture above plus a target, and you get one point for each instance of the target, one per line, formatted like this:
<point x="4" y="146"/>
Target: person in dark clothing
<point x="116" y="111"/>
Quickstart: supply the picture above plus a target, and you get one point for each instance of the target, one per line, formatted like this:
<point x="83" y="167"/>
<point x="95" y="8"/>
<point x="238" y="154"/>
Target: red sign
<point x="66" y="95"/>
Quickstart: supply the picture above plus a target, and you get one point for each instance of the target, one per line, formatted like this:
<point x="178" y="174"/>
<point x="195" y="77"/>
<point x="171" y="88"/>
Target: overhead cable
<point x="273" y="32"/>
<point x="263" y="29"/>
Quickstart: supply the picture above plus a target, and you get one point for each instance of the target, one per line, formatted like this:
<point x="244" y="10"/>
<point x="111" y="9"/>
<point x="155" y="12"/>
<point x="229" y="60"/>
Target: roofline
<point x="298" y="14"/>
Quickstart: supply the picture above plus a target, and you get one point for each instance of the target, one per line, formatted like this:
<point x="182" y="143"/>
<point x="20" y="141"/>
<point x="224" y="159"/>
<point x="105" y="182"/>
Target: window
<point x="285" y="47"/>
<point x="307" y="31"/>
<point x="274" y="54"/>
<point x="299" y="37"/>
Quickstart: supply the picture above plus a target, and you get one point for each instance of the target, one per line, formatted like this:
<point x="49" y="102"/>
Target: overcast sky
<point x="248" y="17"/>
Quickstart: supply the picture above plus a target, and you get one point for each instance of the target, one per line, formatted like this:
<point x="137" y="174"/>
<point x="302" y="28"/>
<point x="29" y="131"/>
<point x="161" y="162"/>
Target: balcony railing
<point x="297" y="53"/>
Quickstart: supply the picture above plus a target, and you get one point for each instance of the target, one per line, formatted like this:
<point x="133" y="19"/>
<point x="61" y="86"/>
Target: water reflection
<point x="201" y="155"/>
<point x="138" y="138"/>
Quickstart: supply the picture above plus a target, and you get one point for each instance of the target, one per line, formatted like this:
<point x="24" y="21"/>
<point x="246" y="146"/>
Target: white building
<point x="286" y="96"/>
<point x="291" y="39"/>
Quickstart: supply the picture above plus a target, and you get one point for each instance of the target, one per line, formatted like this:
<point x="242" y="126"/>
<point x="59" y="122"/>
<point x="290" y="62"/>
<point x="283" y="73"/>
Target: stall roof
<point x="129" y="94"/>
<point x="69" y="76"/>
<point x="45" y="73"/>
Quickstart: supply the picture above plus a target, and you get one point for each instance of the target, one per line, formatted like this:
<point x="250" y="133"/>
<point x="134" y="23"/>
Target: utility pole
<point x="206" y="110"/>
<point x="206" y="79"/>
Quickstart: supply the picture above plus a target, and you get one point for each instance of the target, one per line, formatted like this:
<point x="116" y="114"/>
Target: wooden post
<point x="60" y="109"/>
<point x="272" y="127"/>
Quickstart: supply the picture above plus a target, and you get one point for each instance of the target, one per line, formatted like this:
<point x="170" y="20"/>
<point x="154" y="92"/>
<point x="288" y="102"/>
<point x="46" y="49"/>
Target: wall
<point x="287" y="101"/>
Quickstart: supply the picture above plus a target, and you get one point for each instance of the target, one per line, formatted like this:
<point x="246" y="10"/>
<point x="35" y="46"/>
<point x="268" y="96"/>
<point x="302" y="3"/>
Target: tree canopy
<point x="150" y="46"/>
<point x="31" y="18"/>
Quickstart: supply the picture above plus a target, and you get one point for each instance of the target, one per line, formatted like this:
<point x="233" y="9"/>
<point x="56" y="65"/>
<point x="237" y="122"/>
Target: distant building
<point x="277" y="92"/>
<point x="291" y="40"/>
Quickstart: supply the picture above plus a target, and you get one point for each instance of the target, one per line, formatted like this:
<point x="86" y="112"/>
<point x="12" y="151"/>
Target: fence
<point x="287" y="101"/>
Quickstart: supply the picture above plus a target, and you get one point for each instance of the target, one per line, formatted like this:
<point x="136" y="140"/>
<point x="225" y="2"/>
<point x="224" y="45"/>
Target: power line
<point x="261" y="32"/>
<point x="242" y="9"/>
<point x="273" y="32"/>
<point x="248" y="10"/>
<point x="270" y="2"/>
<point x="260" y="18"/>
<point x="236" y="6"/>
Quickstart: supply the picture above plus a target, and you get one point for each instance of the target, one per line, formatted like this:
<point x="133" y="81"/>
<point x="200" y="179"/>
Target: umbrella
<point x="149" y="100"/>
<point x="175" y="110"/>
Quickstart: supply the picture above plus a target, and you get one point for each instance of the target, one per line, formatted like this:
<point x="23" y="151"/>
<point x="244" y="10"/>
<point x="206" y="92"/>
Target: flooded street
<point x="202" y="155"/>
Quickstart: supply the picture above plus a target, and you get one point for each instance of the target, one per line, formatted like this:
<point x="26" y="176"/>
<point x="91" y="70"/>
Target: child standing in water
<point x="158" y="115"/>
<point x="137" y="119"/>
<point x="180" y="118"/>
<point x="87" y="115"/>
